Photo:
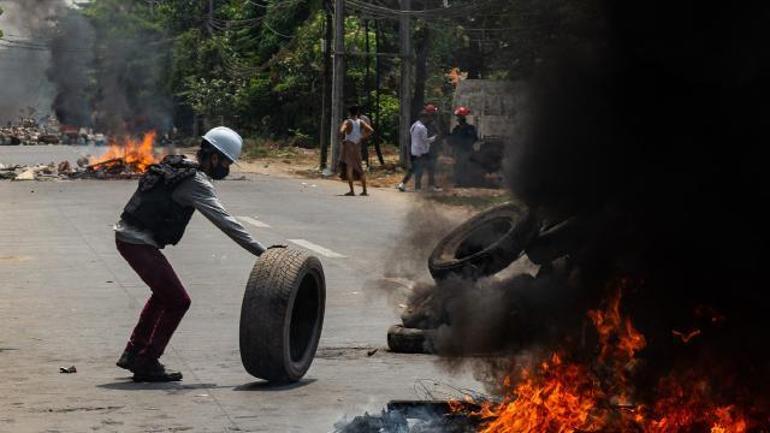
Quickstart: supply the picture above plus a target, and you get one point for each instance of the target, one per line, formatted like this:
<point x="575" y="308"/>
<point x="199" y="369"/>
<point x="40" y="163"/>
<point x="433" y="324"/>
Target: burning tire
<point x="557" y="240"/>
<point x="410" y="340"/>
<point x="483" y="245"/>
<point x="282" y="315"/>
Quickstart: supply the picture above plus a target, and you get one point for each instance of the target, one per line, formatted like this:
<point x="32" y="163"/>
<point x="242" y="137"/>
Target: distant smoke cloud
<point x="58" y="61"/>
<point x="71" y="68"/>
<point x="24" y="58"/>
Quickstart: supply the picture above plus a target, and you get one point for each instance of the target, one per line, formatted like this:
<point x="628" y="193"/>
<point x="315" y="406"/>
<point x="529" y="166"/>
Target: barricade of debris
<point x="127" y="158"/>
<point x="32" y="130"/>
<point x="28" y="131"/>
<point x="64" y="170"/>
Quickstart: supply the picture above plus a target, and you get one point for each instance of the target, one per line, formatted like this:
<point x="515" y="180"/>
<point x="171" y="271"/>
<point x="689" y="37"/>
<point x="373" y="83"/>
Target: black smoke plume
<point x="654" y="130"/>
<point x="649" y="132"/>
<point x="71" y="69"/>
<point x="104" y="70"/>
<point x="24" y="57"/>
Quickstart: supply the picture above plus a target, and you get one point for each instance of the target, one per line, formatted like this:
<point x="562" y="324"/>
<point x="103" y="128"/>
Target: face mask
<point x="220" y="172"/>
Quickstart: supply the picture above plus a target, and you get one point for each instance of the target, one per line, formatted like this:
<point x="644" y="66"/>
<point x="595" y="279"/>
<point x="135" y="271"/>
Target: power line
<point x="267" y="26"/>
<point x="269" y="6"/>
<point x="459" y="11"/>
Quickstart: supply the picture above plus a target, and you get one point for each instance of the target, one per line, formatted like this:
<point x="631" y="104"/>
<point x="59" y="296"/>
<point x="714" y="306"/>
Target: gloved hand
<point x="262" y="249"/>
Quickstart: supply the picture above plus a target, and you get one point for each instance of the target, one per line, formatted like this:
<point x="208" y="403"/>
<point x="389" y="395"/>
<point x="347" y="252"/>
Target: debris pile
<point x="126" y="160"/>
<point x="64" y="170"/>
<point x="28" y="131"/>
<point x="419" y="416"/>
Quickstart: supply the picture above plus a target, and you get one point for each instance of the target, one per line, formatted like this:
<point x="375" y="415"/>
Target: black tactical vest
<point x="152" y="208"/>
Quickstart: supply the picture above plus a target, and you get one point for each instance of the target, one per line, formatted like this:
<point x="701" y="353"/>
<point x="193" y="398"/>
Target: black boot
<point x="128" y="359"/>
<point x="153" y="371"/>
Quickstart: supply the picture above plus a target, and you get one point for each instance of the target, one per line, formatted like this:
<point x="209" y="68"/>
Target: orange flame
<point x="616" y="334"/>
<point x="557" y="397"/>
<point x="560" y="396"/>
<point x="686" y="337"/>
<point x="135" y="155"/>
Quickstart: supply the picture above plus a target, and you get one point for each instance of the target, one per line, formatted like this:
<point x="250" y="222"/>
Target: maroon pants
<point x="165" y="308"/>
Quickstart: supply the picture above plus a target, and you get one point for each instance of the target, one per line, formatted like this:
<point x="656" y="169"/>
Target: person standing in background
<point x="462" y="139"/>
<point x="354" y="130"/>
<point x="420" y="151"/>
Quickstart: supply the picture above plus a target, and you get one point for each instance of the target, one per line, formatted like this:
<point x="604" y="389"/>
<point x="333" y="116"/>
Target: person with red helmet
<point x="462" y="112"/>
<point x="462" y="139"/>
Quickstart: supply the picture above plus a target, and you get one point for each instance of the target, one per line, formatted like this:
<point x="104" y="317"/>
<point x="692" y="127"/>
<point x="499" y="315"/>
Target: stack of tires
<point x="482" y="246"/>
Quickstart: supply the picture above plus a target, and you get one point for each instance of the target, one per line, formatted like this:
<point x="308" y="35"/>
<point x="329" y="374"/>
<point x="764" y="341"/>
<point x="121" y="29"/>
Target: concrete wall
<point x="495" y="105"/>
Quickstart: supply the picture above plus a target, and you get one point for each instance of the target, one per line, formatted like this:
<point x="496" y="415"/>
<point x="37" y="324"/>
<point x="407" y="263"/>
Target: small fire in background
<point x="129" y="156"/>
<point x="567" y="393"/>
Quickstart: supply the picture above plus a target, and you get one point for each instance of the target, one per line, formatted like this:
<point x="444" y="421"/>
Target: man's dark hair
<point x="354" y="110"/>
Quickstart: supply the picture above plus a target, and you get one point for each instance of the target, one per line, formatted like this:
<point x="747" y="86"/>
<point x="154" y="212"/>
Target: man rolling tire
<point x="156" y="216"/>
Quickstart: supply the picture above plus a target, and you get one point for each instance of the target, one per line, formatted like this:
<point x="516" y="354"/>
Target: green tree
<point x="256" y="64"/>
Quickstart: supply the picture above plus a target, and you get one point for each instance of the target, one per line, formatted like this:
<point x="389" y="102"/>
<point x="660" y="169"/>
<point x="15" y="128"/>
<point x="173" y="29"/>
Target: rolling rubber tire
<point x="282" y="315"/>
<point x="485" y="244"/>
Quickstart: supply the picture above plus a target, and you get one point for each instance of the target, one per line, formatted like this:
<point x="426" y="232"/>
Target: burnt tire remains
<point x="411" y="340"/>
<point x="483" y="245"/>
<point x="282" y="315"/>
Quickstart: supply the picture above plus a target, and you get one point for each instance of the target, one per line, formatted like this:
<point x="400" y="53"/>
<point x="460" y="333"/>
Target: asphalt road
<point x="68" y="298"/>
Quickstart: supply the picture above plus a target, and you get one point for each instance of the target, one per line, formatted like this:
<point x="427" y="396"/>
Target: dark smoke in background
<point x="657" y="127"/>
<point x="22" y="67"/>
<point x="98" y="73"/>
<point x="130" y="61"/>
<point x="652" y="129"/>
<point x="71" y="68"/>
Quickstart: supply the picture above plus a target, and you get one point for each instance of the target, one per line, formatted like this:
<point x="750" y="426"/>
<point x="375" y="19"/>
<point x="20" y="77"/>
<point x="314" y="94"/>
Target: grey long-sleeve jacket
<point x="198" y="192"/>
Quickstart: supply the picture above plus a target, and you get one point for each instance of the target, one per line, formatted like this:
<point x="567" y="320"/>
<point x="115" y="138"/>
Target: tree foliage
<point x="256" y="64"/>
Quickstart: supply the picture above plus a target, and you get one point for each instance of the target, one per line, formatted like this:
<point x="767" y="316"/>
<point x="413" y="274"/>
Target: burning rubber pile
<point x="122" y="160"/>
<point x="641" y="178"/>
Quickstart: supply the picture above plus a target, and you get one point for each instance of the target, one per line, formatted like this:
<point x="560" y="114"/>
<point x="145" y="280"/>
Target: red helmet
<point x="430" y="108"/>
<point x="462" y="111"/>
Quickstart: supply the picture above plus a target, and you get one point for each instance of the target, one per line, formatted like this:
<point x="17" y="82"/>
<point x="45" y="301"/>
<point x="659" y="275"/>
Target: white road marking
<point x="254" y="222"/>
<point x="317" y="249"/>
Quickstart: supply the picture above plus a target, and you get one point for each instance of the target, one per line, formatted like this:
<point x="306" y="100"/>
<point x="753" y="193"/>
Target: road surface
<point x="68" y="298"/>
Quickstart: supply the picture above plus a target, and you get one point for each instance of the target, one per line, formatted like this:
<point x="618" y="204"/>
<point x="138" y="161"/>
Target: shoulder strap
<point x="170" y="172"/>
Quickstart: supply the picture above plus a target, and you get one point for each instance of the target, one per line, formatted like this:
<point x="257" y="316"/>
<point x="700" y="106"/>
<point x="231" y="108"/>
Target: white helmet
<point x="226" y="141"/>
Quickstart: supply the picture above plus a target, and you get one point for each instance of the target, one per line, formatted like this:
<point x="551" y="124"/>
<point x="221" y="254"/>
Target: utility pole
<point x="326" y="84"/>
<point x="368" y="91"/>
<point x="211" y="17"/>
<point x="338" y="79"/>
<point x="377" y="85"/>
<point x="405" y="96"/>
